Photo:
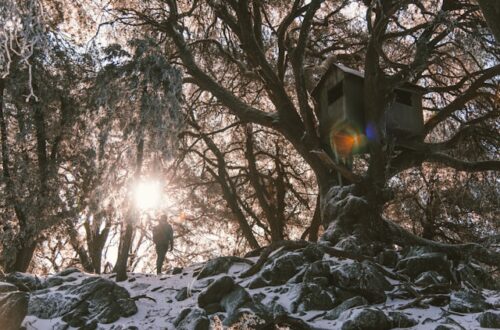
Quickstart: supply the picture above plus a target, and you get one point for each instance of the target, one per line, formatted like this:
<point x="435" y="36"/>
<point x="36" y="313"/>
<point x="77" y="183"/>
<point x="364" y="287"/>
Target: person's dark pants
<point x="161" y="251"/>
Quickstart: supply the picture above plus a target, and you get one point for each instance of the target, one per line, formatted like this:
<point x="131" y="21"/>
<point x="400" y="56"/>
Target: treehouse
<point x="340" y="104"/>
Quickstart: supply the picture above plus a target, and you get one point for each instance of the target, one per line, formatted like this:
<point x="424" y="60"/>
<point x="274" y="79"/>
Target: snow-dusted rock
<point x="365" y="319"/>
<point x="218" y="266"/>
<point x="25" y="282"/>
<point x="192" y="319"/>
<point x="489" y="320"/>
<point x="361" y="278"/>
<point x="95" y="299"/>
<point x="345" y="305"/>
<point x="468" y="301"/>
<point x="416" y="265"/>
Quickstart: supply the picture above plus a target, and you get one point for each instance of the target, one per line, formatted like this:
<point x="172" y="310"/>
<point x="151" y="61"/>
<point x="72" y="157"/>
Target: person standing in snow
<point x="163" y="237"/>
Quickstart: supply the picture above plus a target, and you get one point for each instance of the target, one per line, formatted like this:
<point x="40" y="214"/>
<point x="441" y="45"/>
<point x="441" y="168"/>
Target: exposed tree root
<point x="465" y="251"/>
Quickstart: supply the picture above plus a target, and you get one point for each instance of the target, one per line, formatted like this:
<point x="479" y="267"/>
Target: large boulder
<point x="311" y="296"/>
<point x="214" y="293"/>
<point x="468" y="301"/>
<point x="192" y="319"/>
<point x="13" y="308"/>
<point x="94" y="300"/>
<point x="415" y="265"/>
<point x="361" y="278"/>
<point x="489" y="320"/>
<point x="476" y="276"/>
<point x="283" y="268"/>
<point x="366" y="319"/>
<point x="219" y="265"/>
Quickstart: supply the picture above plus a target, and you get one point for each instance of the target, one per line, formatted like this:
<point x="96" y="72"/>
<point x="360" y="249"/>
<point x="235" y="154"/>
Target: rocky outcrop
<point x="13" y="306"/>
<point x="94" y="300"/>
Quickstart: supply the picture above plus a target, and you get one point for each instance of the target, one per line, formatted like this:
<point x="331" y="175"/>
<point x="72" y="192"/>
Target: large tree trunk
<point x="123" y="250"/>
<point x="127" y="233"/>
<point x="24" y="254"/>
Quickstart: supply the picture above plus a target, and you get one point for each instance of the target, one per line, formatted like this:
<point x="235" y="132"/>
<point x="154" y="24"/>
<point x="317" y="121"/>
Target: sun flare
<point x="147" y="195"/>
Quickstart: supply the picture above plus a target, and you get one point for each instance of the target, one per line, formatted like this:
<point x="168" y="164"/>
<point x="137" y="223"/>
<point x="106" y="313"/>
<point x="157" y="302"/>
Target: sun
<point x="147" y="194"/>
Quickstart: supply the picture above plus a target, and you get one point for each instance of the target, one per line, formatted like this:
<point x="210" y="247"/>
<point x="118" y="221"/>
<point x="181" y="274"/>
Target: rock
<point x="430" y="278"/>
<point x="177" y="270"/>
<point x="68" y="271"/>
<point x="235" y="299"/>
<point x="388" y="258"/>
<point x="447" y="327"/>
<point x="95" y="298"/>
<point x="182" y="294"/>
<point x="347" y="304"/>
<point x="25" y="282"/>
<point x="7" y="287"/>
<point x="467" y="301"/>
<point x="313" y="297"/>
<point x="351" y="244"/>
<point x="401" y="320"/>
<point x="215" y="291"/>
<point x="489" y="320"/>
<point x="365" y="319"/>
<point x="218" y="266"/>
<point x="53" y="281"/>
<point x="362" y="279"/>
<point x="313" y="252"/>
<point x="416" y="265"/>
<point x="13" y="309"/>
<point x="192" y="319"/>
<point x="476" y="275"/>
<point x="319" y="269"/>
<point x="281" y="269"/>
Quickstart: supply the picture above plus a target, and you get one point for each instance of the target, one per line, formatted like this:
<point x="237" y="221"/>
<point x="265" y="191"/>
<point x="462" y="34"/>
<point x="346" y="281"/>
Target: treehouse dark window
<point x="403" y="97"/>
<point x="335" y="93"/>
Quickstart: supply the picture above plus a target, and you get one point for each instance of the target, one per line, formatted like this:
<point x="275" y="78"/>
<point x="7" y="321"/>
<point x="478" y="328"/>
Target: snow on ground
<point x="158" y="307"/>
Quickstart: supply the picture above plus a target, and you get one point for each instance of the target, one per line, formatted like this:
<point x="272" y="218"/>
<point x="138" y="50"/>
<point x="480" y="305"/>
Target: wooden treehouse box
<point x="339" y="97"/>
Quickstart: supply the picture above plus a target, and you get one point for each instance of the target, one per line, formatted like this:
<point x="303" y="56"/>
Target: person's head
<point x="164" y="219"/>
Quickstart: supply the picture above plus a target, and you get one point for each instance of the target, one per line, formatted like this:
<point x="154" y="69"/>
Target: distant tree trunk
<point x="127" y="232"/>
<point x="313" y="230"/>
<point x="491" y="12"/>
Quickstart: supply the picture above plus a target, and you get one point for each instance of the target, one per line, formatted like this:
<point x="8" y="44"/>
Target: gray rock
<point x="177" y="270"/>
<point x="13" y="309"/>
<point x="489" y="320"/>
<point x="283" y="268"/>
<point x="313" y="297"/>
<point x="235" y="299"/>
<point x="216" y="291"/>
<point x="218" y="266"/>
<point x="182" y="294"/>
<point x="401" y="320"/>
<point x="416" y="265"/>
<point x="362" y="279"/>
<point x="348" y="304"/>
<point x="467" y="301"/>
<point x="366" y="319"/>
<point x="25" y="282"/>
<point x="68" y="271"/>
<point x="319" y="269"/>
<point x="192" y="319"/>
<point x="95" y="299"/>
<point x="476" y="275"/>
<point x="313" y="253"/>
<point x="447" y="327"/>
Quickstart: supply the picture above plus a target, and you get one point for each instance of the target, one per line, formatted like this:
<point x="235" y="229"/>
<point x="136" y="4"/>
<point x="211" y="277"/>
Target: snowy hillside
<point x="296" y="288"/>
